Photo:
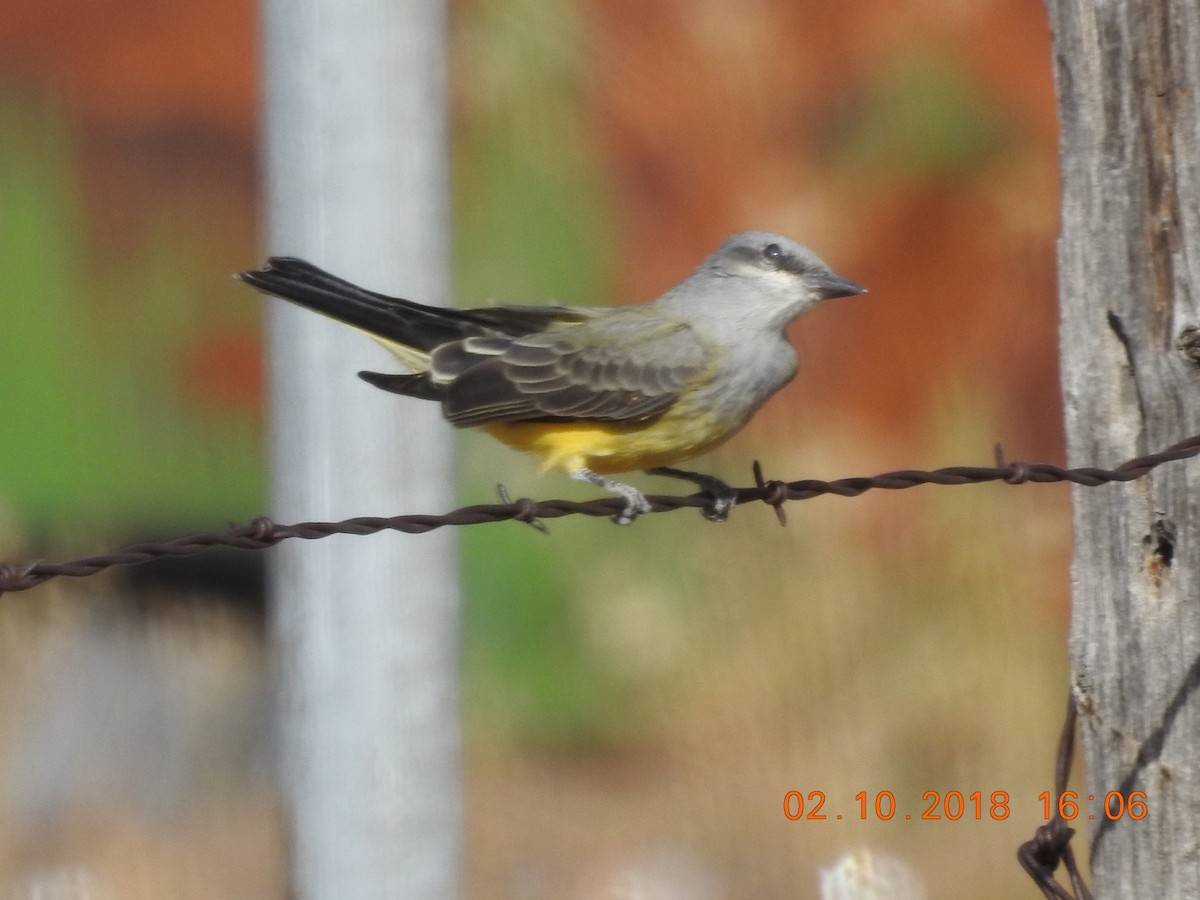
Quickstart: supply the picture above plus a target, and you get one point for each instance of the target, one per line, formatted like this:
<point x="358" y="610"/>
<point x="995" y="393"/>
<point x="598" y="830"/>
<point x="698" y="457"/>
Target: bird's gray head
<point x="761" y="278"/>
<point x="772" y="259"/>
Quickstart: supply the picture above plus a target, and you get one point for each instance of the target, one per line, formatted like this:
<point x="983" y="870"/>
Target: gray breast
<point x="749" y="377"/>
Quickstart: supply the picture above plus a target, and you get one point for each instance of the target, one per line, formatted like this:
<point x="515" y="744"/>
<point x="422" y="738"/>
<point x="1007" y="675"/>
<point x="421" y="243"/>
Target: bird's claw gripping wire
<point x="724" y="497"/>
<point x="635" y="501"/>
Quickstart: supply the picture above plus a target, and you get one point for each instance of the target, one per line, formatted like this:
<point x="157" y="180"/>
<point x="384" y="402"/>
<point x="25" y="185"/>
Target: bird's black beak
<point x="830" y="287"/>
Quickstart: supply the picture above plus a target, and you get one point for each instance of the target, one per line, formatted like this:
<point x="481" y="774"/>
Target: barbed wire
<point x="262" y="532"/>
<point x="1051" y="843"/>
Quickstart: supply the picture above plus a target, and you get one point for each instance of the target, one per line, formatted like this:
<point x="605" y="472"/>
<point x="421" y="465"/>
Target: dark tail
<point x="400" y="321"/>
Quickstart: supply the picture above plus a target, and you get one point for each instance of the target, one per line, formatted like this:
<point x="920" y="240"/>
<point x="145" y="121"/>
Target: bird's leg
<point x="723" y="496"/>
<point x="635" y="501"/>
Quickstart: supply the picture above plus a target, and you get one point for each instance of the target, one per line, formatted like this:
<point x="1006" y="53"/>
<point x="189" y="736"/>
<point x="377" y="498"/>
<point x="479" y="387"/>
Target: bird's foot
<point x="724" y="498"/>
<point x="635" y="501"/>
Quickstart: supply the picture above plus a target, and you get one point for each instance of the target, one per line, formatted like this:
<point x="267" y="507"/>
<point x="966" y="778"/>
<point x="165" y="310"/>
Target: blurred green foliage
<point x="531" y="225"/>
<point x="921" y="117"/>
<point x="529" y="669"/>
<point x="93" y="423"/>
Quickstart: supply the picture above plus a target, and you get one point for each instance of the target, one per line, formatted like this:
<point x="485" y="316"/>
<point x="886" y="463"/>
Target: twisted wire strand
<point x="262" y="532"/>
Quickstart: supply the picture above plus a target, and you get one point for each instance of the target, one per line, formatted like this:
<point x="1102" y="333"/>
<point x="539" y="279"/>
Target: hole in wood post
<point x="1161" y="543"/>
<point x="1189" y="344"/>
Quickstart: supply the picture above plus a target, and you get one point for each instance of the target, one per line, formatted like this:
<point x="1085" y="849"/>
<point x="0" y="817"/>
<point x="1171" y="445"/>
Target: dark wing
<point x="623" y="367"/>
<point x="401" y="321"/>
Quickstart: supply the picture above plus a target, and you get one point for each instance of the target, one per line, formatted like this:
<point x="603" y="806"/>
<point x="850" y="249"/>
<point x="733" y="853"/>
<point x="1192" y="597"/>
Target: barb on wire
<point x="262" y="532"/>
<point x="1051" y="843"/>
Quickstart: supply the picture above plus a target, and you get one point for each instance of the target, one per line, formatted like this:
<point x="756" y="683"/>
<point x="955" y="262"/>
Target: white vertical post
<point x="365" y="630"/>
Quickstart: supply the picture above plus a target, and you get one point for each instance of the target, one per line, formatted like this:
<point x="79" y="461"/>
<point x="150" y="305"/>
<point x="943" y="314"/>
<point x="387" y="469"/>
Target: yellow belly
<point x="612" y="448"/>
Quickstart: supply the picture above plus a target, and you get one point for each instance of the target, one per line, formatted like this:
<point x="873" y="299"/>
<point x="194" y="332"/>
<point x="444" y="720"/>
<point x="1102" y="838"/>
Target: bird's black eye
<point x="772" y="253"/>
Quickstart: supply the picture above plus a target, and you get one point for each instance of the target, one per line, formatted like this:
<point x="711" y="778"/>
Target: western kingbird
<point x="597" y="391"/>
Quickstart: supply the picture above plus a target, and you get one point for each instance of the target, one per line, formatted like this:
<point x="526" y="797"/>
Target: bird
<point x="597" y="391"/>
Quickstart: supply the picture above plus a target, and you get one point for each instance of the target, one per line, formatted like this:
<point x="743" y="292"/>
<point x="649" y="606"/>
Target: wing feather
<point x="625" y="367"/>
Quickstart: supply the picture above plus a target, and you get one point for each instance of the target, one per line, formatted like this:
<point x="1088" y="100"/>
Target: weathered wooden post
<point x="1128" y="78"/>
